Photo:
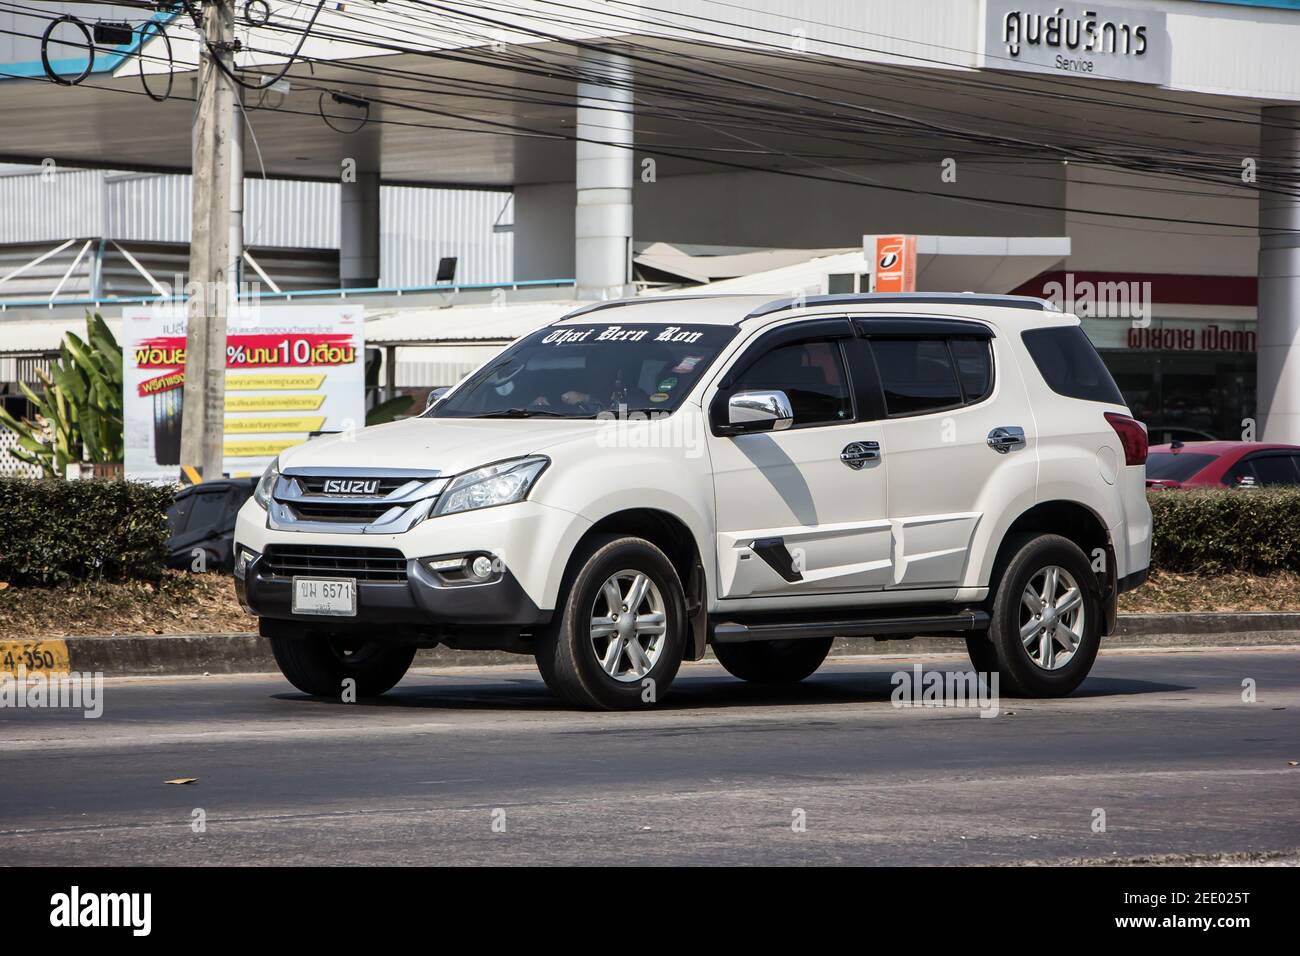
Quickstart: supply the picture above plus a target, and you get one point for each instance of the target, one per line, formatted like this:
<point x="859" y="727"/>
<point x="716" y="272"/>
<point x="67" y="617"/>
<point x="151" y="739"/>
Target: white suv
<point x="644" y="478"/>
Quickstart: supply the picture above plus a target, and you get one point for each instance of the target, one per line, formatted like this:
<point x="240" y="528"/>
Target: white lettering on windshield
<point x="617" y="333"/>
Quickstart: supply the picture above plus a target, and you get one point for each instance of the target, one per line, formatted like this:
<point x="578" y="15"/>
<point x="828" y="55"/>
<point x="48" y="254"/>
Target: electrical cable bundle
<point x="777" y="111"/>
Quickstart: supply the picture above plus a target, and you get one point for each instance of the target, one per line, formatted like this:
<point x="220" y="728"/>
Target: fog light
<point x="481" y="567"/>
<point x="444" y="564"/>
<point x="242" y="561"/>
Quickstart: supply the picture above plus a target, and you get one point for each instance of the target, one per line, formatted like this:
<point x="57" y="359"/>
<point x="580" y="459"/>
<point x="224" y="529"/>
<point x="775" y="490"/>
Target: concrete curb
<point x="132" y="656"/>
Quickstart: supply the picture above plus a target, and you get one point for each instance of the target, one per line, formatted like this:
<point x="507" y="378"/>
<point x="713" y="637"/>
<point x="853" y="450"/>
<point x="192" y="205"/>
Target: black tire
<point x="318" y="665"/>
<point x="774" y="662"/>
<point x="1019" y="674"/>
<point x="565" y="651"/>
<point x="983" y="655"/>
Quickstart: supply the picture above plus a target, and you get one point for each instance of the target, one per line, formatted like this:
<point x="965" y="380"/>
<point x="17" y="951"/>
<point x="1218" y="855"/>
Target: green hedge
<point x="1215" y="531"/>
<point x="54" y="531"/>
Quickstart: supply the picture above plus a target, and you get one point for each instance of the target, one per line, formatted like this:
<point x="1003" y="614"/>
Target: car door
<point x="946" y="395"/>
<point x="793" y="518"/>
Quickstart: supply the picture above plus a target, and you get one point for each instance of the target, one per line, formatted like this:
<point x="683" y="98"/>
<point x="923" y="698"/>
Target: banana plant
<point x="79" y="415"/>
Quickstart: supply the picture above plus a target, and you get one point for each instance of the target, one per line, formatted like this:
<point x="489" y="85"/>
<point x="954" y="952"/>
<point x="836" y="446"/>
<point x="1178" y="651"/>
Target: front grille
<point x="364" y="564"/>
<point x="315" y="484"/>
<point x="337" y="509"/>
<point x="359" y="502"/>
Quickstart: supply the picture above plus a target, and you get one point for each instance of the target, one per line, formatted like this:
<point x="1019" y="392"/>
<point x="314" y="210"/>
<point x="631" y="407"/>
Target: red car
<point x="1223" y="464"/>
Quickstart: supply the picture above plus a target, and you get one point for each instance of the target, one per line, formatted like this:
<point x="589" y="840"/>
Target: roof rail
<point x="919" y="298"/>
<point x="642" y="300"/>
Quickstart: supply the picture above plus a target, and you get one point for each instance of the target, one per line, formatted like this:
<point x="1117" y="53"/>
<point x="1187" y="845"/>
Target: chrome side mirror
<point x="767" y="411"/>
<point x="435" y="396"/>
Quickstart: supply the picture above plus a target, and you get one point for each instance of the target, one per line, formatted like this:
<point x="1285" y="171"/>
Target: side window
<point x="812" y="376"/>
<point x="974" y="361"/>
<point x="1240" y="470"/>
<point x="1274" y="470"/>
<point x="917" y="375"/>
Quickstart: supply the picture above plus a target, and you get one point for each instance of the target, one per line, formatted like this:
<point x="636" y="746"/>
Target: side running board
<point x="731" y="632"/>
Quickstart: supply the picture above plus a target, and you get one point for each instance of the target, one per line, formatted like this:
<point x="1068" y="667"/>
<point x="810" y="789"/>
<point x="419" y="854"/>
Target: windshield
<point x="1167" y="466"/>
<point x="582" y="371"/>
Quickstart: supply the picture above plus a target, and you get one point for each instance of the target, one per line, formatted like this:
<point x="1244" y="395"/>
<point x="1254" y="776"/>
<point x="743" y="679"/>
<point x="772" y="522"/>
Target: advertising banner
<point x="291" y="371"/>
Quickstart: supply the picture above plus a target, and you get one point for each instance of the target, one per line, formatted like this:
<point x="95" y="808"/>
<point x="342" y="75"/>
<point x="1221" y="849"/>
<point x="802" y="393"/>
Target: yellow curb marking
<point x="34" y="657"/>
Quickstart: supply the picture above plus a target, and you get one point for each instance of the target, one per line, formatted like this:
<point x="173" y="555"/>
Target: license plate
<point x="329" y="596"/>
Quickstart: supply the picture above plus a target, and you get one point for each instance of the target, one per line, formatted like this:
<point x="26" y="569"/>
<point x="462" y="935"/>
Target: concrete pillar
<point x="1278" y="369"/>
<point x="359" y="230"/>
<point x="603" y="216"/>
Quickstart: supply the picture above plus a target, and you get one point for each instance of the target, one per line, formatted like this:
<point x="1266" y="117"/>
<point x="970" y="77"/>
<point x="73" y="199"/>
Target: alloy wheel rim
<point x="1052" y="617"/>
<point x="629" y="625"/>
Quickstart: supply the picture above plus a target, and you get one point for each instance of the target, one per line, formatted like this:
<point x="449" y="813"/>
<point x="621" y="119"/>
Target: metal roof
<point x="467" y="324"/>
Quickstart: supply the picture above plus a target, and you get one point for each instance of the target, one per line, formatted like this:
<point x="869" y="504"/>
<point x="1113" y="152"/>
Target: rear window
<point x="1166" y="466"/>
<point x="1070" y="365"/>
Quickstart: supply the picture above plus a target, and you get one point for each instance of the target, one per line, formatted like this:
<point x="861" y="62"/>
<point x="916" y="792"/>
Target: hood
<point x="448" y="445"/>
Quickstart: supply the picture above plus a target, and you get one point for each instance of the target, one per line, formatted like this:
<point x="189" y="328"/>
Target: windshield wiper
<point x="526" y="413"/>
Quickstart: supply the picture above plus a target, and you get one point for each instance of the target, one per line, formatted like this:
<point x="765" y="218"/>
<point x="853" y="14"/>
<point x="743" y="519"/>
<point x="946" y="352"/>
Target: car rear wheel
<point x="619" y="635"/>
<point x="1046" y="620"/>
<point x="774" y="662"/>
<point x="318" y="665"/>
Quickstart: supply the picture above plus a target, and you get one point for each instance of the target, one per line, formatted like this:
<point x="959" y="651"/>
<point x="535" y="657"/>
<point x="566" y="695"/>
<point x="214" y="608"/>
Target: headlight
<point x="499" y="484"/>
<point x="266" y="484"/>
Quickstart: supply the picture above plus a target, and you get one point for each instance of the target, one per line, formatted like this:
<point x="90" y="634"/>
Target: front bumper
<point x="530" y="540"/>
<point x="421" y="602"/>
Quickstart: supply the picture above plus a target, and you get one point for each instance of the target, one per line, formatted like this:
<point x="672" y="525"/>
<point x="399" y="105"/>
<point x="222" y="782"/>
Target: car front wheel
<point x="619" y="635"/>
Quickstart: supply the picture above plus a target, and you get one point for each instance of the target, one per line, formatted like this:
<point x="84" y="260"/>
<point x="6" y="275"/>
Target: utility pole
<point x="210" y="287"/>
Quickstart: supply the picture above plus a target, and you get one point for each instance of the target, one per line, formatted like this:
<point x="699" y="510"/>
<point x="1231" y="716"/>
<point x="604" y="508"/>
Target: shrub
<point x="54" y="531"/>
<point x="79" y="412"/>
<point x="1214" y="531"/>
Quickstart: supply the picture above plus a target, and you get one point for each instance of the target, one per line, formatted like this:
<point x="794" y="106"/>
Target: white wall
<point x="544" y="231"/>
<point x="1122" y="245"/>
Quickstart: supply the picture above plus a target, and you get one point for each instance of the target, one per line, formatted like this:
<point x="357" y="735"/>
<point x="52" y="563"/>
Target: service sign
<point x="1089" y="41"/>
<point x="291" y="371"/>
<point x="895" y="269"/>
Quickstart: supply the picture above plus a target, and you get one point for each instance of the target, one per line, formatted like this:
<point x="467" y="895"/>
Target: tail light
<point x="1132" y="435"/>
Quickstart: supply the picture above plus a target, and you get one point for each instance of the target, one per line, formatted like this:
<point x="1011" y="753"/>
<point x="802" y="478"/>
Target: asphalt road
<point x="1161" y="742"/>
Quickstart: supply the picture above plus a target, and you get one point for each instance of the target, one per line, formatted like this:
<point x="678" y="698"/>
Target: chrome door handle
<point x="1005" y="438"/>
<point x="856" y="454"/>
